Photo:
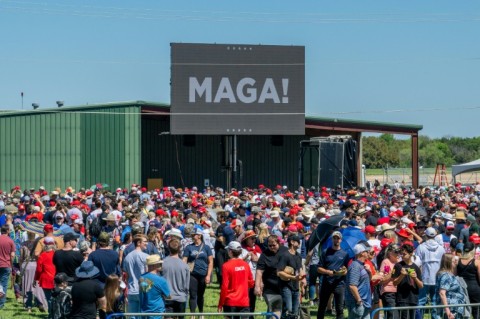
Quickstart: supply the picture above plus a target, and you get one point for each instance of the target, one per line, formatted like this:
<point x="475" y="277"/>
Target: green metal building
<point x="129" y="142"/>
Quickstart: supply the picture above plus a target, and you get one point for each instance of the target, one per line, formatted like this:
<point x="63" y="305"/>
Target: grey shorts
<point x="274" y="302"/>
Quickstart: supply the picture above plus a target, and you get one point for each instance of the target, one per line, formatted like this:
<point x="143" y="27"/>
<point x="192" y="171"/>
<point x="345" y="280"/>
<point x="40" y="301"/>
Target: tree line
<point x="387" y="151"/>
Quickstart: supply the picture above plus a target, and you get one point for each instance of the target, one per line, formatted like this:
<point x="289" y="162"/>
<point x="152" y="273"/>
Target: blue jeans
<point x="312" y="280"/>
<point x="133" y="303"/>
<point x="291" y="301"/>
<point x="4" y="275"/>
<point x="426" y="291"/>
<point x="358" y="312"/>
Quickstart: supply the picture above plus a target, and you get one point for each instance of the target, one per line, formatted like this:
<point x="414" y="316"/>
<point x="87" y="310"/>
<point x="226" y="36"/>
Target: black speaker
<point x="331" y="164"/>
<point x="189" y="140"/>
<point x="276" y="140"/>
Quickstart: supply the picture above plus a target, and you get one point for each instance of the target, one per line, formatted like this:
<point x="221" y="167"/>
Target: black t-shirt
<point x="295" y="261"/>
<point x="219" y="232"/>
<point x="407" y="290"/>
<point x="67" y="261"/>
<point x="268" y="262"/>
<point x="84" y="296"/>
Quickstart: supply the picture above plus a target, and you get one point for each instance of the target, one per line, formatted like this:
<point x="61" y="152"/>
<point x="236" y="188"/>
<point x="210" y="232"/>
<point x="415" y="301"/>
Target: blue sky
<point x="415" y="62"/>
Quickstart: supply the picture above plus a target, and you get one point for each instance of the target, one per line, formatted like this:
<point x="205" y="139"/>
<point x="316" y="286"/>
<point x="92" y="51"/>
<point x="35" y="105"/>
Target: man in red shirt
<point x="237" y="278"/>
<point x="7" y="254"/>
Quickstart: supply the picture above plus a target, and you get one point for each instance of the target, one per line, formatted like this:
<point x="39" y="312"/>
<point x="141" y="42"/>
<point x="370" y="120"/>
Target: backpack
<point x="97" y="225"/>
<point x="61" y="304"/>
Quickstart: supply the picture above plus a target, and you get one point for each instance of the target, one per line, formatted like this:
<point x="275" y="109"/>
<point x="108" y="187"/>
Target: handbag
<point x="191" y="264"/>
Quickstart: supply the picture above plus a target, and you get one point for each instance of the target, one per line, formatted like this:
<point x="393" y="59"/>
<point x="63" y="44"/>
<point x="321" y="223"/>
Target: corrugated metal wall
<point x="70" y="148"/>
<point x="194" y="164"/>
<point x="262" y="162"/>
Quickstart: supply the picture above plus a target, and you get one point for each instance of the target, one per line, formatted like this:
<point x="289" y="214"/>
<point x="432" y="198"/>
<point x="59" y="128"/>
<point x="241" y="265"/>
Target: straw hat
<point x="386" y="227"/>
<point x="154" y="260"/>
<point x="110" y="218"/>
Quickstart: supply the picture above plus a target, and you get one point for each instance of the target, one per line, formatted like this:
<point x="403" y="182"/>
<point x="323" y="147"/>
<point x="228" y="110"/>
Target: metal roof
<point x="333" y="124"/>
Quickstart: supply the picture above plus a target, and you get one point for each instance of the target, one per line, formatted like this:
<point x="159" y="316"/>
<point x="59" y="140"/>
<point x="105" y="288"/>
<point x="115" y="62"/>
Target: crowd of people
<point x="94" y="252"/>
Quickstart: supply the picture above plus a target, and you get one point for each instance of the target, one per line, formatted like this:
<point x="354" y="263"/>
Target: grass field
<point x="14" y="309"/>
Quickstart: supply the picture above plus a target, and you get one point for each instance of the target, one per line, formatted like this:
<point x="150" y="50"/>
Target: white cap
<point x="78" y="221"/>
<point x="234" y="245"/>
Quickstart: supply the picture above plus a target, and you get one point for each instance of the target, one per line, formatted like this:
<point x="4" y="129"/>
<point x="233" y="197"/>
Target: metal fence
<point x="462" y="311"/>
<point x="205" y="315"/>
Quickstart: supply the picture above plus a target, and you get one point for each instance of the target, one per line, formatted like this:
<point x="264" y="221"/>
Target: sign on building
<point x="233" y="89"/>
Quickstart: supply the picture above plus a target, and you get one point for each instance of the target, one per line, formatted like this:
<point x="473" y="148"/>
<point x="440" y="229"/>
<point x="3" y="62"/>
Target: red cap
<point x="261" y="186"/>
<point x="21" y="207"/>
<point x="385" y="242"/>
<point x="370" y="230"/>
<point x="293" y="228"/>
<point x="160" y="212"/>
<point x="408" y="242"/>
<point x="403" y="233"/>
<point x="278" y="187"/>
<point x="174" y="213"/>
<point x="48" y="228"/>
<point x="73" y="217"/>
<point x="76" y="203"/>
<point x="474" y="239"/>
<point x="31" y="216"/>
<point x="143" y="189"/>
<point x="202" y="209"/>
<point x="383" y="220"/>
<point x="88" y="193"/>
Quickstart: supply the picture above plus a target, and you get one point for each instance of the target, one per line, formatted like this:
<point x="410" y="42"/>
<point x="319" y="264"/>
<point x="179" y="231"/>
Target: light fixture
<point x="59" y="103"/>
<point x="35" y="106"/>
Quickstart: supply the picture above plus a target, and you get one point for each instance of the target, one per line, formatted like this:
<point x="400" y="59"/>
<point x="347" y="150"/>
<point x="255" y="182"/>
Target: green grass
<point x="14" y="309"/>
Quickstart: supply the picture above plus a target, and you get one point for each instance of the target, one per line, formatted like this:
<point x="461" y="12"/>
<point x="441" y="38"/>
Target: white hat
<point x="78" y="221"/>
<point x="274" y="213"/>
<point x="234" y="245"/>
<point x="431" y="232"/>
<point x="360" y="248"/>
<point x="58" y="214"/>
<point x="174" y="232"/>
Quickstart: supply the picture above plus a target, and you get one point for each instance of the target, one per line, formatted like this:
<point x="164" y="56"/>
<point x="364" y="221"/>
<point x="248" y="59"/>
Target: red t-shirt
<point x="237" y="278"/>
<point x="7" y="247"/>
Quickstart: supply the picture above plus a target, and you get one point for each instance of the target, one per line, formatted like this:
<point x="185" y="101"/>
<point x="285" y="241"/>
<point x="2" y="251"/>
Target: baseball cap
<point x="234" y="245"/>
<point x="431" y="232"/>
<point x="370" y="229"/>
<point x="235" y="223"/>
<point x="69" y="236"/>
<point x="274" y="213"/>
<point x="337" y="234"/>
<point x="48" y="228"/>
<point x="450" y="225"/>
<point x="49" y="240"/>
<point x="360" y="248"/>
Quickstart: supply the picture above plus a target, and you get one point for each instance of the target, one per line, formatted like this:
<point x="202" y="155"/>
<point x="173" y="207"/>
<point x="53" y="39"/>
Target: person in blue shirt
<point x="153" y="288"/>
<point x="358" y="297"/>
